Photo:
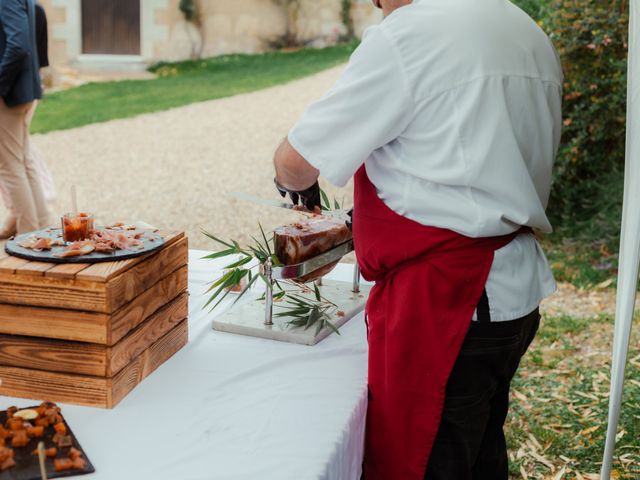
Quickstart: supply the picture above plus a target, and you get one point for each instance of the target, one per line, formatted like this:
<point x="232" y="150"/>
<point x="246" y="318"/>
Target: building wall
<point x="239" y="26"/>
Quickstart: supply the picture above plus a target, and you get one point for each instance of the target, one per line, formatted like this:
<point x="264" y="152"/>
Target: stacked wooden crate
<point x="88" y="334"/>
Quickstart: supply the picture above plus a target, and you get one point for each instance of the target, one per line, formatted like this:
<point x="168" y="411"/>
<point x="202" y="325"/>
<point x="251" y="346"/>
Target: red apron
<point x="428" y="282"/>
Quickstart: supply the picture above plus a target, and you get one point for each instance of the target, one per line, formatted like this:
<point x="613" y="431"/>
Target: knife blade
<point x="339" y="214"/>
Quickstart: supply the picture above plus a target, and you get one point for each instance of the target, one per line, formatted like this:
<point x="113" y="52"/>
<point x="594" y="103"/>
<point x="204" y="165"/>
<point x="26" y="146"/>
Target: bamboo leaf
<point x="227" y="281"/>
<point x="325" y="204"/>
<point x="336" y="204"/>
<point x="293" y="313"/>
<point x="259" y="254"/>
<point x="245" y="289"/>
<point x="239" y="263"/>
<point x="266" y="242"/>
<point x="298" y="323"/>
<point x="216" y="239"/>
<point x="317" y="292"/>
<point x="214" y="297"/>
<point x="314" y="316"/>
<point x="258" y="245"/>
<point x="330" y="324"/>
<point x="220" y="254"/>
<point x="319" y="327"/>
<point x="220" y="281"/>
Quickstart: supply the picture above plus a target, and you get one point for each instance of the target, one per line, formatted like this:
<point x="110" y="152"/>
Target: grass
<point x="584" y="263"/>
<point x="181" y="84"/>
<point x="583" y="249"/>
<point x="557" y="424"/>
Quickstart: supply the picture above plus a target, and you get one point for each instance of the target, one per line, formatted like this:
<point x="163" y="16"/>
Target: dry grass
<point x="558" y="417"/>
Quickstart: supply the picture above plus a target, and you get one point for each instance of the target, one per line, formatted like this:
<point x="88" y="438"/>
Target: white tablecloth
<point x="233" y="407"/>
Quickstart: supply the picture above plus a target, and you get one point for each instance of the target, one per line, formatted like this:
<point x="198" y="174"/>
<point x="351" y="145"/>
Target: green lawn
<point x="557" y="424"/>
<point x="181" y="84"/>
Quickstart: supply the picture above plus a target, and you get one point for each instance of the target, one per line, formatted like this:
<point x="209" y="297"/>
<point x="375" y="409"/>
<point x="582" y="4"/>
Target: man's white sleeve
<point x="368" y="107"/>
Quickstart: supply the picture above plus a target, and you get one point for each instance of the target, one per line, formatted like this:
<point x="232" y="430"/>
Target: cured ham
<point x="107" y="241"/>
<point x="77" y="249"/>
<point x="306" y="239"/>
<point x="40" y="243"/>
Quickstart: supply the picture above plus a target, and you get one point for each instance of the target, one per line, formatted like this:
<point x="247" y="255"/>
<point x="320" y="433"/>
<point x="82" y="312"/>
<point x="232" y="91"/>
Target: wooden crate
<point x="88" y="334"/>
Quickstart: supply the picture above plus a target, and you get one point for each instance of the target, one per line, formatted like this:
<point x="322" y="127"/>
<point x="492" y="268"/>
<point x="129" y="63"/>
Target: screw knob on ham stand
<point x="267" y="270"/>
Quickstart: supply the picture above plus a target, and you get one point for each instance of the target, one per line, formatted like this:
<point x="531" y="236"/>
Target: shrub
<point x="535" y="8"/>
<point x="591" y="38"/>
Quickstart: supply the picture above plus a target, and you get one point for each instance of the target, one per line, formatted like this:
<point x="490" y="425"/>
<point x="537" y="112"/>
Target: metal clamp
<point x="292" y="272"/>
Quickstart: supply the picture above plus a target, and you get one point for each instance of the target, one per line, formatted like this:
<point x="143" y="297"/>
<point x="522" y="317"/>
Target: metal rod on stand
<point x="268" y="273"/>
<point x="356" y="278"/>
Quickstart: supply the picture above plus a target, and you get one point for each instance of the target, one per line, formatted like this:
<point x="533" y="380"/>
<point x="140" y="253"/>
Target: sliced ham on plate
<point x="77" y="249"/>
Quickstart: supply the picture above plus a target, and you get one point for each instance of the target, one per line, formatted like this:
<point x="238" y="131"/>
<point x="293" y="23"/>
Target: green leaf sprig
<point x="306" y="312"/>
<point x="325" y="203"/>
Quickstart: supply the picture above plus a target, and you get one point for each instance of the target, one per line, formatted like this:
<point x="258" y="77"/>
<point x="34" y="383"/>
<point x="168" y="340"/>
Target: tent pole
<point x="629" y="257"/>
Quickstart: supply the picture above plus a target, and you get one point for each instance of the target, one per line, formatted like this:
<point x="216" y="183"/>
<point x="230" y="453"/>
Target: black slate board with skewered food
<point x="27" y="466"/>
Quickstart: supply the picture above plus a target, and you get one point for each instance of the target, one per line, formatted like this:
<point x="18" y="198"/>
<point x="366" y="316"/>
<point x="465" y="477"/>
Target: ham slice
<point x="40" y="243"/>
<point x="306" y="239"/>
<point x="77" y="249"/>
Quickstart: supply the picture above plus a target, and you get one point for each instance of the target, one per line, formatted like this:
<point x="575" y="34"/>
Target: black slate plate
<point x="152" y="242"/>
<point x="27" y="465"/>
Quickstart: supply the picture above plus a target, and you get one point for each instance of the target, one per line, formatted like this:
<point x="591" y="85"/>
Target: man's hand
<point x="309" y="197"/>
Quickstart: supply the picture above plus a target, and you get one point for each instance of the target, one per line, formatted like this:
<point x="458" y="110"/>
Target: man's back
<point x="486" y="84"/>
<point x="19" y="76"/>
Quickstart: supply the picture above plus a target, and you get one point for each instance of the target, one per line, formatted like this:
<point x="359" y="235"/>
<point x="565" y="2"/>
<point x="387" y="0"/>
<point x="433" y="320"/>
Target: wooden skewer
<point x="74" y="201"/>
<point x="41" y="457"/>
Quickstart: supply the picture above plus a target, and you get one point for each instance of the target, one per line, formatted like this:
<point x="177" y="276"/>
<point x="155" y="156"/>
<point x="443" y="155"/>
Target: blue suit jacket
<point x="19" y="72"/>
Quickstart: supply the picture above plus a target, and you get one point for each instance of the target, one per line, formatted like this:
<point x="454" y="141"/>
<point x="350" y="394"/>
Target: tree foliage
<point x="189" y="9"/>
<point x="591" y="38"/>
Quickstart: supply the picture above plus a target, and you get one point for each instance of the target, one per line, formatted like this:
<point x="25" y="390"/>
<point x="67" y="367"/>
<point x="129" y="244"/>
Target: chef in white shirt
<point x="450" y="112"/>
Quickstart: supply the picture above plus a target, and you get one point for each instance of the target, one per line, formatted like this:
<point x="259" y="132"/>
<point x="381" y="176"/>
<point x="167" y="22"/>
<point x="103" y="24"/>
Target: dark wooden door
<point x="111" y="27"/>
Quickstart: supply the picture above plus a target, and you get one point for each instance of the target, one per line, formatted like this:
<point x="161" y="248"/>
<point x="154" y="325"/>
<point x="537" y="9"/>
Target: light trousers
<point x="44" y="173"/>
<point x="17" y="169"/>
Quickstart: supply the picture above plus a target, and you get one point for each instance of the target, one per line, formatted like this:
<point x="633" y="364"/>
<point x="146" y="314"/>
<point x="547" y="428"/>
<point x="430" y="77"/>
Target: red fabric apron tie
<point x="428" y="283"/>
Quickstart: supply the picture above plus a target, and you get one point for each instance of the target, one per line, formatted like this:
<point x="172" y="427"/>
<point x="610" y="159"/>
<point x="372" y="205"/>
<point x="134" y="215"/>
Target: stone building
<point x="131" y="34"/>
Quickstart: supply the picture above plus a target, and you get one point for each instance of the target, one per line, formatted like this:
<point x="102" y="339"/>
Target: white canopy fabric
<point x="629" y="258"/>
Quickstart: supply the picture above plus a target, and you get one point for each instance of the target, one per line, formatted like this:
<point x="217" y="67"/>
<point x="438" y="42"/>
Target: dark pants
<point x="470" y="444"/>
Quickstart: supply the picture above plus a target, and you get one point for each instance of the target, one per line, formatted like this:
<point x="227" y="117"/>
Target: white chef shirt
<point x="454" y="108"/>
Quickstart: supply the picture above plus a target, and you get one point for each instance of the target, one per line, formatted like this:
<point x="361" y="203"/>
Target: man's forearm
<point x="292" y="170"/>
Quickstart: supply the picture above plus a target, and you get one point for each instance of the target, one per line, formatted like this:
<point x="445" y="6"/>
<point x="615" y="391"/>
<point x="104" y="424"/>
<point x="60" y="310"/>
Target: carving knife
<point x="339" y="214"/>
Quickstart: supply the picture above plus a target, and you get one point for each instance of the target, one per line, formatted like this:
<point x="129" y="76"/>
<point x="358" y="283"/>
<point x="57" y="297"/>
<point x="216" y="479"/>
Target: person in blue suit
<point x="20" y="86"/>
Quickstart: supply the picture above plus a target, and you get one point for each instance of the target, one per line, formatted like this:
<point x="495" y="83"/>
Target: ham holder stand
<point x="255" y="316"/>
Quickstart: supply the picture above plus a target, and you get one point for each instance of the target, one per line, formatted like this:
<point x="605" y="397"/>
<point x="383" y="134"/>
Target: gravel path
<point x="173" y="168"/>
